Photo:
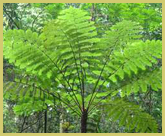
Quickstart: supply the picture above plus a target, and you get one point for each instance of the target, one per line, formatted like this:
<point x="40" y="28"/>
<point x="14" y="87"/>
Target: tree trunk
<point x="84" y="118"/>
<point x="61" y="123"/>
<point x="45" y="125"/>
<point x="93" y="12"/>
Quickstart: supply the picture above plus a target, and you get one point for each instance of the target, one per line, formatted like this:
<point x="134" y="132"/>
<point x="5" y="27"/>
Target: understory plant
<point x="70" y="63"/>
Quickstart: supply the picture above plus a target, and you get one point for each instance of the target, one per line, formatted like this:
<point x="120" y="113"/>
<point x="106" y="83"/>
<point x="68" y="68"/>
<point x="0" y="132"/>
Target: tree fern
<point x="71" y="63"/>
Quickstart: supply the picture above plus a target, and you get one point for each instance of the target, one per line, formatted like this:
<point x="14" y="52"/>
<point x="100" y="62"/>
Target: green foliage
<point x="94" y="122"/>
<point x="24" y="16"/>
<point x="9" y="120"/>
<point x="146" y="79"/>
<point x="52" y="8"/>
<point x="28" y="107"/>
<point x="130" y="116"/>
<point x="148" y="15"/>
<point x="68" y="58"/>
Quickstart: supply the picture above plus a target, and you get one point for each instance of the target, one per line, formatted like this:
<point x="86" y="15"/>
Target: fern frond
<point x="137" y="82"/>
<point x="120" y="34"/>
<point x="130" y="116"/>
<point x="145" y="79"/>
<point x="139" y="55"/>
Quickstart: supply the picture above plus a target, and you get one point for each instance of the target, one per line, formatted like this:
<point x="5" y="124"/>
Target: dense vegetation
<point x="78" y="67"/>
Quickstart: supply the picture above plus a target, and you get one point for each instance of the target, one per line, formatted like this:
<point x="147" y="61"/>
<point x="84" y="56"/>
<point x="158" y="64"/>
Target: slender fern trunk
<point x="61" y="123"/>
<point x="84" y="118"/>
<point x="45" y="125"/>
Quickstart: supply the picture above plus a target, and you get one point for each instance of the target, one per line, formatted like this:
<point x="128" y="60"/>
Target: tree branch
<point x="10" y="17"/>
